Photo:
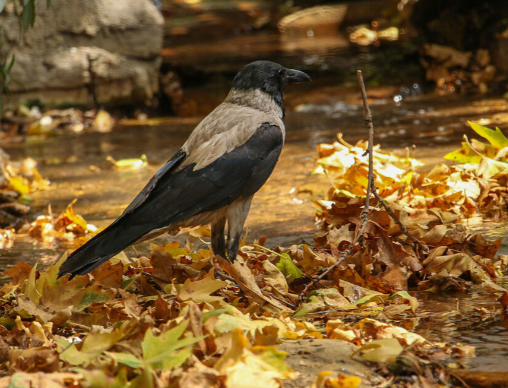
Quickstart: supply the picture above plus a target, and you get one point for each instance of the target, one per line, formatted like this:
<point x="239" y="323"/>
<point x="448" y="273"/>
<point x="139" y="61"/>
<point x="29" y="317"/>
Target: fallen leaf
<point x="382" y="350"/>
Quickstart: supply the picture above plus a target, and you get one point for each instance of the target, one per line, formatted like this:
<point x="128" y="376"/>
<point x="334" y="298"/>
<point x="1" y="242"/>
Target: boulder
<point x="120" y="41"/>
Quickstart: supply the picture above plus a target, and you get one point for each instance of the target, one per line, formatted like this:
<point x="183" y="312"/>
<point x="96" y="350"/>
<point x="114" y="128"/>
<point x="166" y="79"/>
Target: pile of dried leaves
<point x="481" y="183"/>
<point x="457" y="71"/>
<point x="389" y="262"/>
<point x="166" y="321"/>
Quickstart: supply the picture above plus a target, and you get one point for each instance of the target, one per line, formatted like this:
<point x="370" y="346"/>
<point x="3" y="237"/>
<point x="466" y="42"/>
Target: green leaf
<point x="413" y="302"/>
<point x="495" y="137"/>
<point x="19" y="83"/>
<point x="464" y="155"/>
<point x="2" y="4"/>
<point x="161" y="352"/>
<point x="374" y="297"/>
<point x="126" y="359"/>
<point x="91" y="347"/>
<point x="207" y="315"/>
<point x="144" y="380"/>
<point x="273" y="357"/>
<point x="312" y="304"/>
<point x="28" y="15"/>
<point x="288" y="267"/>
<point x="13" y="61"/>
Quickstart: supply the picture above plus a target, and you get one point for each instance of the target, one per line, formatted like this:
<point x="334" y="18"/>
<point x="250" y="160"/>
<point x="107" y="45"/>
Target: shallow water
<point x="282" y="211"/>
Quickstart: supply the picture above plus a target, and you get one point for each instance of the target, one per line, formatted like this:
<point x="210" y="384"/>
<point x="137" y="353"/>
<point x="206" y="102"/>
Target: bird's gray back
<point x="231" y="125"/>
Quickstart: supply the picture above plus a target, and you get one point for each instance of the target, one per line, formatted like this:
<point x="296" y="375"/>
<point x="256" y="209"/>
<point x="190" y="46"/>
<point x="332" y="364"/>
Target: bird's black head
<point x="269" y="77"/>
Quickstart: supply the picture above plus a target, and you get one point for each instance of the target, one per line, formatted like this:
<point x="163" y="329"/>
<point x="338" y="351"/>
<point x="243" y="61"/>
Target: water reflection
<point x="473" y="320"/>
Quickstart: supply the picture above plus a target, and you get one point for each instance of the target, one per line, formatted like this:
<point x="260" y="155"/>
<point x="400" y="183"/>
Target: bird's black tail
<point x="100" y="249"/>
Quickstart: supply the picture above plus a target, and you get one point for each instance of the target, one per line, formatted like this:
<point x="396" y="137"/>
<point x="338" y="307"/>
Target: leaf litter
<point x="174" y="319"/>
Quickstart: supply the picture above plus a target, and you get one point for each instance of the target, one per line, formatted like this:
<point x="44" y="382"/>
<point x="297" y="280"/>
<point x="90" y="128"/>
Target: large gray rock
<point x="122" y="38"/>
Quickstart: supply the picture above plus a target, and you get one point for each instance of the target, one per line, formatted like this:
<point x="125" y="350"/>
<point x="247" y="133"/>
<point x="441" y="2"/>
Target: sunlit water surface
<point x="282" y="211"/>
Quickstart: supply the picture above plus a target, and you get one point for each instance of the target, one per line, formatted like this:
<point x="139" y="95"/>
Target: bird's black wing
<point x="179" y="195"/>
<point x="170" y="166"/>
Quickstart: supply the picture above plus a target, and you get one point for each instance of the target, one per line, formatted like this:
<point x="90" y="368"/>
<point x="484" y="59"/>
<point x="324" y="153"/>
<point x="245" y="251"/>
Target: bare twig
<point x="289" y="304"/>
<point x="371" y="188"/>
<point x="365" y="212"/>
<point x="149" y="275"/>
<point x="317" y="279"/>
<point x="402" y="227"/>
<point x="370" y="127"/>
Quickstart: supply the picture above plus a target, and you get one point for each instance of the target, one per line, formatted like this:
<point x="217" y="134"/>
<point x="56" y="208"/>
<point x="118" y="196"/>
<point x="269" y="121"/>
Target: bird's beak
<point x="293" y="76"/>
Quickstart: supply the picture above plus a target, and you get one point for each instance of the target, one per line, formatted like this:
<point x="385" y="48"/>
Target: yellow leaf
<point x="200" y="291"/>
<point x="19" y="184"/>
<point x="324" y="379"/>
<point x="489" y="168"/>
<point x="30" y="288"/>
<point x="50" y="275"/>
<point x="495" y="137"/>
<point x="87" y="351"/>
<point x="75" y="218"/>
<point x="382" y="350"/>
<point x="244" y="369"/>
<point x="129" y="164"/>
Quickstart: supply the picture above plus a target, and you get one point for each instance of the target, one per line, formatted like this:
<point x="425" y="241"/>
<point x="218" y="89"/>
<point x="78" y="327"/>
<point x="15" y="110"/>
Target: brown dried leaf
<point x="19" y="273"/>
<point x="43" y="359"/>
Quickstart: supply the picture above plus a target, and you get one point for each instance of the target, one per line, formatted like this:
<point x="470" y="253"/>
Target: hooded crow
<point x="212" y="178"/>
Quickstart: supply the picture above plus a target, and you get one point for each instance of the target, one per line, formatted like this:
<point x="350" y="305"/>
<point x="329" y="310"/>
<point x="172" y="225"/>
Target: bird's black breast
<point x="265" y="147"/>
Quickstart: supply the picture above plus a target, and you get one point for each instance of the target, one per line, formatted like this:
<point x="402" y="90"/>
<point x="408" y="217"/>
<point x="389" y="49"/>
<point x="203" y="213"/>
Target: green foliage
<point x="28" y="15"/>
<point x="288" y="267"/>
<point x="475" y="151"/>
<point x="285" y="265"/>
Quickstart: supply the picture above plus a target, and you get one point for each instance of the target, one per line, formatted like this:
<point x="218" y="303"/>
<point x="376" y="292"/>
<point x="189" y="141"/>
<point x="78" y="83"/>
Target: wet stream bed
<point x="282" y="211"/>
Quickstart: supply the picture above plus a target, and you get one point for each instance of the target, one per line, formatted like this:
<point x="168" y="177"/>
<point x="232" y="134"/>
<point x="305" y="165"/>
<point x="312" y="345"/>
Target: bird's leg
<point x="236" y="215"/>
<point x="218" y="241"/>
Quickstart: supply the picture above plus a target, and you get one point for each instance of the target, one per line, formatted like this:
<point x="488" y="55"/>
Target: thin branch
<point x="370" y="127"/>
<point x="289" y="304"/>
<point x="371" y="188"/>
<point x="365" y="212"/>
<point x="317" y="279"/>
<point x="149" y="275"/>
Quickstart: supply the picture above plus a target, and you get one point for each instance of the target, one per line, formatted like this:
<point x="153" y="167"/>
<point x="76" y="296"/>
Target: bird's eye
<point x="281" y="72"/>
